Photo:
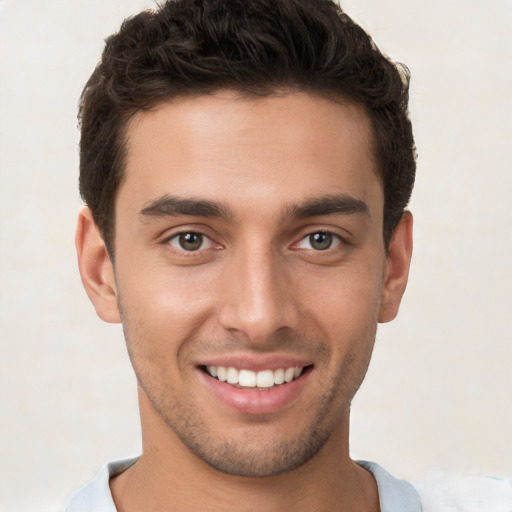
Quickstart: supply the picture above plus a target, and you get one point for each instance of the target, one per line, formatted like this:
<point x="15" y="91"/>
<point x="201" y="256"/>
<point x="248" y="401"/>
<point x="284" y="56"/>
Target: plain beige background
<point x="438" y="390"/>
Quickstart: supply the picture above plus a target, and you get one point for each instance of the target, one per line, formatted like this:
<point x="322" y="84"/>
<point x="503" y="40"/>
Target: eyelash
<point x="176" y="237"/>
<point x="334" y="240"/>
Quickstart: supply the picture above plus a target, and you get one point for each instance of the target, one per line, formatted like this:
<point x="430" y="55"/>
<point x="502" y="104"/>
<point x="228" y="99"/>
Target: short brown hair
<point x="256" y="47"/>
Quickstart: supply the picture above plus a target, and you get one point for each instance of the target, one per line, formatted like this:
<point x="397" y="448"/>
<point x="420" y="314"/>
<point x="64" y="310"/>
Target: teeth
<point x="265" y="379"/>
<point x="249" y="379"/>
<point x="232" y="375"/>
<point x="279" y="376"/>
<point x="288" y="374"/>
<point x="221" y="373"/>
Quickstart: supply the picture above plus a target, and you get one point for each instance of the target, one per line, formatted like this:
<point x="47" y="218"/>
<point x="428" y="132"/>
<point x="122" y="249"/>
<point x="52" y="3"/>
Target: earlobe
<point x="397" y="268"/>
<point x="96" y="269"/>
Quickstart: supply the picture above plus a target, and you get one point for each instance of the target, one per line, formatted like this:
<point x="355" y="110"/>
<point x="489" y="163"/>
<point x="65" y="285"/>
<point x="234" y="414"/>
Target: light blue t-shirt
<point x="394" y="495"/>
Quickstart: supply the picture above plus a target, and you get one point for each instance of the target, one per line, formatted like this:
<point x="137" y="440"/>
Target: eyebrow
<point x="170" y="206"/>
<point x="327" y="205"/>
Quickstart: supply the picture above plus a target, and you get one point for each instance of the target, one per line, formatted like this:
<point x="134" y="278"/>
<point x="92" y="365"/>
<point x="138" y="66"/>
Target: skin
<point x="257" y="290"/>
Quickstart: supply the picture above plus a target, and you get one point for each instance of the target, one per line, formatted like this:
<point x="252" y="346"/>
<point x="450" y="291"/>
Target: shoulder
<point x="440" y="492"/>
<point x="95" y="496"/>
<point x="394" y="495"/>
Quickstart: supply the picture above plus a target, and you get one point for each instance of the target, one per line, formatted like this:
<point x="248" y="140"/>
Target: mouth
<point x="256" y="387"/>
<point x="256" y="380"/>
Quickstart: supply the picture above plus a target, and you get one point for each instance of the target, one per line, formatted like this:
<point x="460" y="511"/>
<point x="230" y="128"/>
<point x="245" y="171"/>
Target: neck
<point x="169" y="477"/>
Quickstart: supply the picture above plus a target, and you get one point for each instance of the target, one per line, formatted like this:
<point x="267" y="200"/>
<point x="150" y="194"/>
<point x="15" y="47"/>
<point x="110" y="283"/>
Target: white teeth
<point x="249" y="379"/>
<point x="232" y="375"/>
<point x="265" y="379"/>
<point x="221" y="373"/>
<point x="279" y="376"/>
<point x="288" y="374"/>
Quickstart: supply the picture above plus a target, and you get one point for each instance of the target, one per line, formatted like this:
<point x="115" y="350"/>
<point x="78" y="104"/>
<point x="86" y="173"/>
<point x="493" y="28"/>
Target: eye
<point x="190" y="241"/>
<point x="319" y="241"/>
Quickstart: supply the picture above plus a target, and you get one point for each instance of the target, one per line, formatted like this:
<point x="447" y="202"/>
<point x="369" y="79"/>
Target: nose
<point x="258" y="297"/>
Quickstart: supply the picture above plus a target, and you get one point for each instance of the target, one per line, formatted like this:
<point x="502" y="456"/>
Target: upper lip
<point x="256" y="362"/>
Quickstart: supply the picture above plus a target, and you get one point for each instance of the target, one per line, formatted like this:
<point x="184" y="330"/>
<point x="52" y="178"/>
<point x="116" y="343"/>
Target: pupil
<point x="191" y="241"/>
<point x="320" y="241"/>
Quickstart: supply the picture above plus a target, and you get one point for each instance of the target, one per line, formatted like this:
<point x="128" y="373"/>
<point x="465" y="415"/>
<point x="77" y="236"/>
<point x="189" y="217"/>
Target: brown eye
<point x="188" y="241"/>
<point x="320" y="241"/>
<point x="191" y="241"/>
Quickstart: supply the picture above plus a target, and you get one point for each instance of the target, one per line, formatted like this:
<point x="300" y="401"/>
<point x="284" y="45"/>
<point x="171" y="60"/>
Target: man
<point x="246" y="165"/>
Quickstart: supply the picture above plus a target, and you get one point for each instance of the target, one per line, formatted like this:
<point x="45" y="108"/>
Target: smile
<point x="264" y="389"/>
<point x="264" y="379"/>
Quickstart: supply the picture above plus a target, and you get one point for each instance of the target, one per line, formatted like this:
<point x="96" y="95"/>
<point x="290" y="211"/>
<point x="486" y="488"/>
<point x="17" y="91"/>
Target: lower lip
<point x="254" y="401"/>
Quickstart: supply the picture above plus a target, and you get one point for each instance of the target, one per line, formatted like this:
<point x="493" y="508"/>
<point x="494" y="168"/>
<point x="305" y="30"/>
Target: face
<point x="250" y="273"/>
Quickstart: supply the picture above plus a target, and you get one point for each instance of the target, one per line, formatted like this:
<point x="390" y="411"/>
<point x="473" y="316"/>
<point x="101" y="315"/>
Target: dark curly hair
<point x="255" y="47"/>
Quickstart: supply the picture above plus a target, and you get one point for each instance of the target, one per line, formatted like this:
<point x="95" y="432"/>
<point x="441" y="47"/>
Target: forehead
<point x="242" y="151"/>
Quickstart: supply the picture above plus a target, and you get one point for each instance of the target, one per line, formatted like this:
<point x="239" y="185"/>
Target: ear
<point x="397" y="268"/>
<point x="96" y="269"/>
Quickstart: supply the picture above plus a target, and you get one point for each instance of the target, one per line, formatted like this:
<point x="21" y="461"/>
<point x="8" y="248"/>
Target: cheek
<point x="344" y="314"/>
<point x="163" y="290"/>
<point x="344" y="299"/>
<point x="162" y="307"/>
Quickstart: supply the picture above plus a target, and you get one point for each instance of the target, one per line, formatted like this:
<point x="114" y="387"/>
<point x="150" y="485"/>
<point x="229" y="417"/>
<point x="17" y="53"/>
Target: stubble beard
<point x="252" y="456"/>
